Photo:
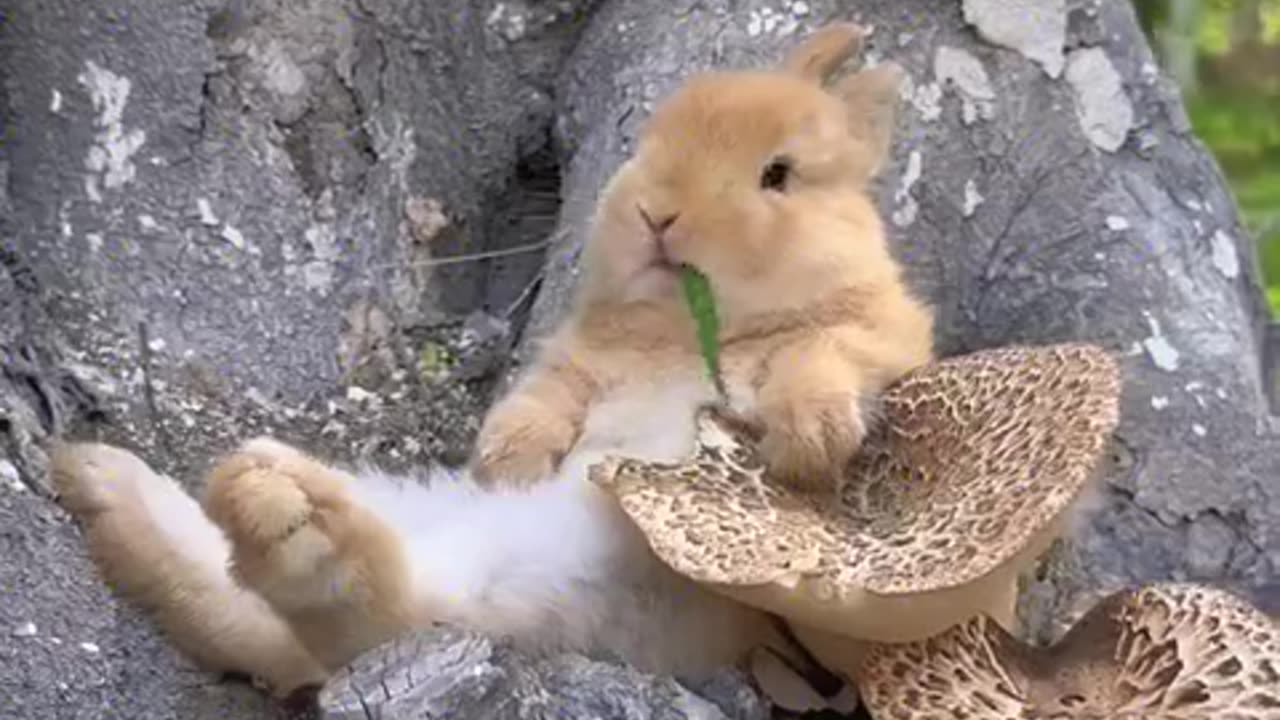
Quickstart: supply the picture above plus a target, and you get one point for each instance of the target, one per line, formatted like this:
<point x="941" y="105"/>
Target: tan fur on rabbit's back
<point x="758" y="179"/>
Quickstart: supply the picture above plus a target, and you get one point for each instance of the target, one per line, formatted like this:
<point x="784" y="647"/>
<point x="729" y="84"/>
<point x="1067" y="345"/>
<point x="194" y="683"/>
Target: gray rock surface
<point x="232" y="217"/>
<point x="227" y="217"/>
<point x="450" y="673"/>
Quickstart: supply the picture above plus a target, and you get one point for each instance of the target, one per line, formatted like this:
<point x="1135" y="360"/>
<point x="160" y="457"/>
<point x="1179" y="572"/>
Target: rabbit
<point x="759" y="180"/>
<point x="289" y="567"/>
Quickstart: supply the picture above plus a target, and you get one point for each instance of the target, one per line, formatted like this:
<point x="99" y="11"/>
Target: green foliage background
<point x="1226" y="56"/>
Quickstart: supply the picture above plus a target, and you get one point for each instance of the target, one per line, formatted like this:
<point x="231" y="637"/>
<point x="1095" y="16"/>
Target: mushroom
<point x="964" y="484"/>
<point x="1169" y="651"/>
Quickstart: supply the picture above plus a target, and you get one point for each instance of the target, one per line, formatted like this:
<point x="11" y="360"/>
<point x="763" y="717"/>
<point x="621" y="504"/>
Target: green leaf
<point x="702" y="305"/>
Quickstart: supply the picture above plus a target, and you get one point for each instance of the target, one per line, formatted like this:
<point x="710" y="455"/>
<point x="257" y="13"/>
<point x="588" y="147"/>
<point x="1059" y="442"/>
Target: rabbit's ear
<point x="823" y="51"/>
<point x="871" y="97"/>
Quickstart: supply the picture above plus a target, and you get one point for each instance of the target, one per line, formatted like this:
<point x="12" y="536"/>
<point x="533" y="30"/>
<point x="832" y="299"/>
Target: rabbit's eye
<point x="775" y="175"/>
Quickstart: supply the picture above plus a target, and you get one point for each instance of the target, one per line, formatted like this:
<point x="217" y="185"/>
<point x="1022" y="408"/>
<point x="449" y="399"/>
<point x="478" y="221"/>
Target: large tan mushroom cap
<point x="1166" y="652"/>
<point x="961" y="487"/>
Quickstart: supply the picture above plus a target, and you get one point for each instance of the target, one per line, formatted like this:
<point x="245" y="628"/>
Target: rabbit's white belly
<point x="559" y="565"/>
<point x="653" y="421"/>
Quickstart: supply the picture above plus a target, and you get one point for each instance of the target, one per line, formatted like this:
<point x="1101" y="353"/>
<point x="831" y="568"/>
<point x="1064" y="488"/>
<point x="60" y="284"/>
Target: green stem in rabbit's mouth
<point x="702" y="305"/>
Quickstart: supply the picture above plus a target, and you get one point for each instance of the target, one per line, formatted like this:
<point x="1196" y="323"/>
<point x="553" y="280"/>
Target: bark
<point x="226" y="217"/>
<point x="449" y="673"/>
<point x="219" y="219"/>
<point x="1179" y="43"/>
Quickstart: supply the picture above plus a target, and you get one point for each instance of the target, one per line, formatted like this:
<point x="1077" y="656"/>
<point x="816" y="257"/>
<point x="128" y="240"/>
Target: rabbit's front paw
<point x="520" y="446"/>
<point x="808" y="441"/>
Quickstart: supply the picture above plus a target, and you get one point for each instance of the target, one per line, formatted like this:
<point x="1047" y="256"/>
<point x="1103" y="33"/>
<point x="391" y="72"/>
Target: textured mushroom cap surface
<point x="1168" y="651"/>
<point x="976" y="457"/>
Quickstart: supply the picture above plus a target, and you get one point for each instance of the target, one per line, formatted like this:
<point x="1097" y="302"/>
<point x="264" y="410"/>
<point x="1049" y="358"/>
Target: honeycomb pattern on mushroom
<point x="975" y="456"/>
<point x="1169" y="651"/>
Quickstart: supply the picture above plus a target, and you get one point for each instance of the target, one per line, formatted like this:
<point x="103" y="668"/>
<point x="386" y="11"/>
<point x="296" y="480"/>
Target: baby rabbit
<point x="759" y="180"/>
<point x="288" y="567"/>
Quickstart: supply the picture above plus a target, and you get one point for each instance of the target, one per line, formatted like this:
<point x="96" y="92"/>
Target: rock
<point x="218" y="216"/>
<point x="1035" y="28"/>
<point x="194" y="200"/>
<point x="453" y="673"/>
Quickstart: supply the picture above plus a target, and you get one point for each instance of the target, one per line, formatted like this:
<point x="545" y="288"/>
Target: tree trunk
<point x="228" y="217"/>
<point x="450" y="673"/>
<point x="1178" y="43"/>
<point x="1246" y="23"/>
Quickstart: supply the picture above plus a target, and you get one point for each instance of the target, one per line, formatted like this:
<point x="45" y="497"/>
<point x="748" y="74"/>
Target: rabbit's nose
<point x="657" y="226"/>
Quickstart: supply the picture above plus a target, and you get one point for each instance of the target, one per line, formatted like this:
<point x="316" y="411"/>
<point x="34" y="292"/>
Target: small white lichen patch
<point x="233" y="236"/>
<point x="91" y="648"/>
<point x="1159" y="349"/>
<point x="1035" y="28"/>
<point x="1102" y="106"/>
<point x="972" y="198"/>
<point x="95" y="241"/>
<point x="280" y="73"/>
<point x="1223" y="254"/>
<point x="318" y="273"/>
<point x="768" y="21"/>
<point x="800" y="9"/>
<point x="147" y="222"/>
<point x="1117" y="223"/>
<point x="357" y="394"/>
<point x="1159" y="402"/>
<point x="55" y="102"/>
<point x="964" y="72"/>
<point x="508" y="22"/>
<point x="25" y="630"/>
<point x="926" y="98"/>
<point x="205" y="209"/>
<point x="907" y="206"/>
<point x="1199" y="429"/>
<point x="110" y="158"/>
